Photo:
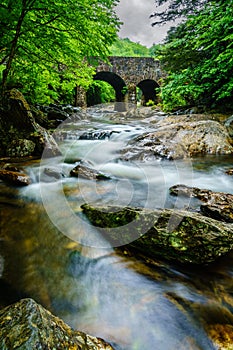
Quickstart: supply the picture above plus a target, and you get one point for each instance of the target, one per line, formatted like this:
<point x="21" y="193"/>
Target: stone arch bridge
<point x="125" y="74"/>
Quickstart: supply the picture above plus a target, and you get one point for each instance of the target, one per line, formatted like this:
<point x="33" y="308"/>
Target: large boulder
<point x="20" y="148"/>
<point x="54" y="115"/>
<point x="21" y="135"/>
<point x="181" y="137"/>
<point x="179" y="235"/>
<point x="26" y="325"/>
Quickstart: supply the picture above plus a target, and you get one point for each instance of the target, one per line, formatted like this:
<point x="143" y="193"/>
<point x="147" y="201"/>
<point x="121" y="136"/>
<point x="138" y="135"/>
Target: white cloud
<point x="135" y="14"/>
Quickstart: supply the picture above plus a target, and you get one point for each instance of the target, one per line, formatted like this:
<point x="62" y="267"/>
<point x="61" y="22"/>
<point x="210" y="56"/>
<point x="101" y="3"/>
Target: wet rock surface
<point x="15" y="177"/>
<point x="57" y="114"/>
<point x="178" y="137"/>
<point x="172" y="234"/>
<point x="84" y="171"/>
<point x="229" y="125"/>
<point x="222" y="336"/>
<point x="217" y="205"/>
<point x="96" y="135"/>
<point x="54" y="173"/>
<point x="27" y="325"/>
<point x="229" y="171"/>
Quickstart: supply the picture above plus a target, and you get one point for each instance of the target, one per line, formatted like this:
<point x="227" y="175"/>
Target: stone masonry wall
<point x="133" y="69"/>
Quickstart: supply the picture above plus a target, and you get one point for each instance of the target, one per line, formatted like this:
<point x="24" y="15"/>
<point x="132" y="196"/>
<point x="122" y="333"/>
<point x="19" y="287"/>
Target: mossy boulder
<point x="26" y="325"/>
<point x="20" y="148"/>
<point x="20" y="134"/>
<point x="177" y="235"/>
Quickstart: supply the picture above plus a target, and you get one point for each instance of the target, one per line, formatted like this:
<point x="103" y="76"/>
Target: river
<point x="50" y="252"/>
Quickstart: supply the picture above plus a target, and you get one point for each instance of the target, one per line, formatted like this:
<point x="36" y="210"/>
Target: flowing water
<point x="48" y="250"/>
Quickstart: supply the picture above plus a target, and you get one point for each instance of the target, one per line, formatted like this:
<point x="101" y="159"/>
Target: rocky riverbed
<point x="161" y="226"/>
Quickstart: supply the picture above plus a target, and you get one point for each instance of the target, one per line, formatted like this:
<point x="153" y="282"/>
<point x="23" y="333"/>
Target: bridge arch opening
<point x="118" y="85"/>
<point x="99" y="92"/>
<point x="148" y="88"/>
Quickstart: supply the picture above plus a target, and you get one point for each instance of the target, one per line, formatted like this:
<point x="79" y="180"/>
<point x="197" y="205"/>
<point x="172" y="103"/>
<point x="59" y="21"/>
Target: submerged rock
<point x="86" y="172"/>
<point x="54" y="173"/>
<point x="27" y="325"/>
<point x="15" y="177"/>
<point x="217" y="205"/>
<point x="172" y="234"/>
<point x="181" y="137"/>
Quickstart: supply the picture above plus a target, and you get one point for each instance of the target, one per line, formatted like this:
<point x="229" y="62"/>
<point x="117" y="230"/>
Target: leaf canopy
<point x="46" y="41"/>
<point x="198" y="56"/>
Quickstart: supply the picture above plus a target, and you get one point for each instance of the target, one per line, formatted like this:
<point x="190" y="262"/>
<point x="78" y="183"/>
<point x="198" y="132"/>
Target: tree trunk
<point x="13" y="47"/>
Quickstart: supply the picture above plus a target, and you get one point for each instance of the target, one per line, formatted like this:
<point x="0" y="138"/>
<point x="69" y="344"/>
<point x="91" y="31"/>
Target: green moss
<point x="174" y="235"/>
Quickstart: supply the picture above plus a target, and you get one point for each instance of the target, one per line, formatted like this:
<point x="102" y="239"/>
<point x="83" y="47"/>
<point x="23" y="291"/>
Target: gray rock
<point x="26" y="325"/>
<point x="86" y="172"/>
<point x="181" y="137"/>
<point x="229" y="125"/>
<point x="54" y="173"/>
<point x="217" y="205"/>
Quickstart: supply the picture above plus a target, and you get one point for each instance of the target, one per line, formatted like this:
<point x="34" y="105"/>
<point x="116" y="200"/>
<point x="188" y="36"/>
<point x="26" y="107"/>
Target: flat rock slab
<point x="26" y="325"/>
<point x="176" y="235"/>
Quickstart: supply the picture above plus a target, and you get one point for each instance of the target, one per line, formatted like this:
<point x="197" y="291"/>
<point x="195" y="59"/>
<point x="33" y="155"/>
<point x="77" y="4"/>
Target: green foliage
<point x="127" y="48"/>
<point x="150" y="103"/>
<point x="154" y="50"/>
<point x="48" y="42"/>
<point x="198" y="56"/>
<point x="124" y="91"/>
<point x="100" y="92"/>
<point x="170" y="10"/>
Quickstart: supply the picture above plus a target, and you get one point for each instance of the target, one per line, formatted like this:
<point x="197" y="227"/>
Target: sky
<point x="137" y="24"/>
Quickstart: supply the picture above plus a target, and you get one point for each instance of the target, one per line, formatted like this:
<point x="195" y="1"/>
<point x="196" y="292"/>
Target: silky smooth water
<point x="51" y="253"/>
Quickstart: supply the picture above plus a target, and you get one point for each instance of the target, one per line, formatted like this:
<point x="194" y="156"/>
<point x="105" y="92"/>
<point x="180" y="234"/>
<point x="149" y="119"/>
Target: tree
<point x="198" y="56"/>
<point x="49" y="41"/>
<point x="173" y="9"/>
<point x="127" y="48"/>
